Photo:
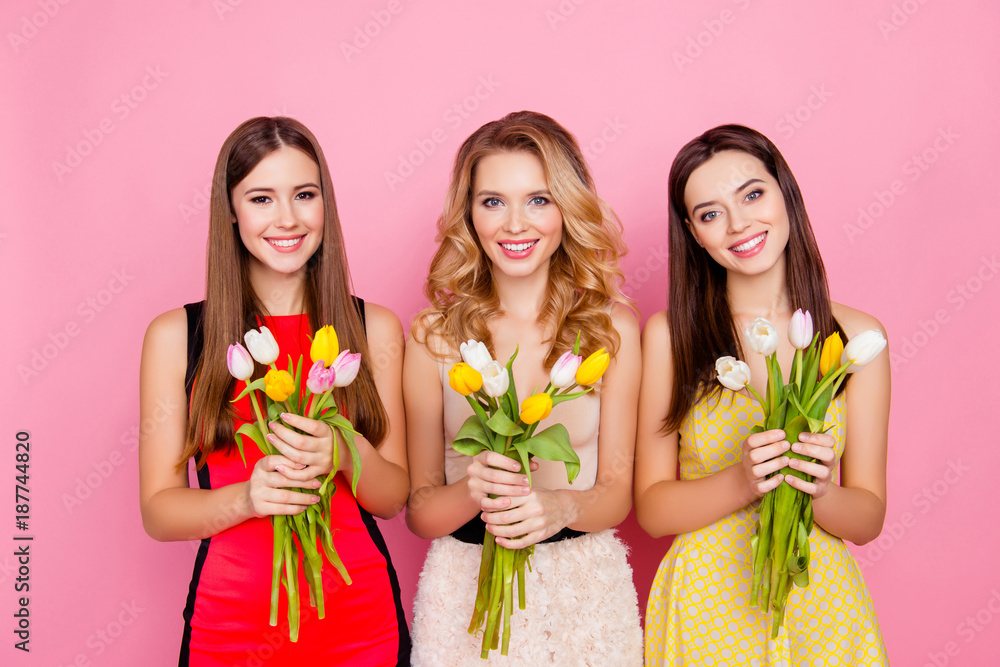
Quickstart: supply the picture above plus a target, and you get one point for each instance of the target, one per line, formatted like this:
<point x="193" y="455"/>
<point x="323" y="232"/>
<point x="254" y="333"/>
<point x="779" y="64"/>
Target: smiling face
<point x="518" y="224"/>
<point x="279" y="211"/>
<point x="736" y="212"/>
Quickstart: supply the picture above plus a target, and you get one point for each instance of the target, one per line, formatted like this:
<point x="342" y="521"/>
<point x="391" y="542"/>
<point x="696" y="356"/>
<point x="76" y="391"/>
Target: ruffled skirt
<point x="581" y="607"/>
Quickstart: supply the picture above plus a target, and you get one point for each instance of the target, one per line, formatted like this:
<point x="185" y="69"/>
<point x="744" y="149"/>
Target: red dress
<point x="228" y="608"/>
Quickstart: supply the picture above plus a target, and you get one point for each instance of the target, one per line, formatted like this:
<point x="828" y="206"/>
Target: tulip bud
<point x="496" y="380"/>
<point x="475" y="354"/>
<point x="593" y="367"/>
<point x="800" y="330"/>
<point x="829" y="357"/>
<point x="536" y="408"/>
<point x="762" y="337"/>
<point x="324" y="346"/>
<point x="239" y="362"/>
<point x="262" y="345"/>
<point x="464" y="379"/>
<point x="320" y="378"/>
<point x="564" y="370"/>
<point x="862" y="349"/>
<point x="346" y="366"/>
<point x="732" y="373"/>
<point x="278" y="385"/>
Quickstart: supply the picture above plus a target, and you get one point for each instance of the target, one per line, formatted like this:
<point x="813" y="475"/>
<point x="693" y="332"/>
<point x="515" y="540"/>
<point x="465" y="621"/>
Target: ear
<point x="687" y="223"/>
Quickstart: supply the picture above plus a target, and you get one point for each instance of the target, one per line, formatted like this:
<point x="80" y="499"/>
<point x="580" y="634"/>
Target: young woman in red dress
<point x="275" y="258"/>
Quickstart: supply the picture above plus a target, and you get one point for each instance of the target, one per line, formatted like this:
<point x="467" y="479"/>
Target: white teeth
<point x="743" y="247"/>
<point x="518" y="247"/>
<point x="285" y="243"/>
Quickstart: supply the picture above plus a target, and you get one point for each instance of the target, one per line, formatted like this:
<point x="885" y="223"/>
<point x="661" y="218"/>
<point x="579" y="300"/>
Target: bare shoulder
<point x="855" y="321"/>
<point x="625" y="320"/>
<point x="167" y="333"/>
<point x="657" y="329"/>
<point x="382" y="323"/>
<point x="423" y="336"/>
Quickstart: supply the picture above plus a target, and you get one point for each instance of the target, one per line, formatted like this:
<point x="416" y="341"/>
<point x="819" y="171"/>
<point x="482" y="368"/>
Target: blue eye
<point x="539" y="200"/>
<point x="753" y="195"/>
<point x="491" y="202"/>
<point x="709" y="216"/>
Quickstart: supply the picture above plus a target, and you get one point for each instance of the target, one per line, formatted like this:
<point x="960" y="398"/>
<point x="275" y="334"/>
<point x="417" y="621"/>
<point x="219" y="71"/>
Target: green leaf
<point x="511" y="389"/>
<point x="348" y="435"/>
<point x="296" y="395"/>
<point x="521" y="447"/>
<point x="256" y="385"/>
<point x="254" y="434"/>
<point x="472" y="437"/>
<point x="815" y="425"/>
<point x="556" y="400"/>
<point x="501" y="423"/>
<point x="273" y="411"/>
<point x="552" y="444"/>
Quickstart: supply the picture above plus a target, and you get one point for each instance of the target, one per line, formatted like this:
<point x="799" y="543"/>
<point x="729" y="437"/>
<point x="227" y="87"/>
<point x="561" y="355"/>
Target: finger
<point x="802" y="485"/>
<point x="495" y="460"/>
<point x="493" y="504"/>
<point x="282" y="496"/>
<point x="274" y="461"/>
<point x="494" y="476"/>
<point x="303" y="477"/>
<point x="821" y="452"/>
<point x="766" y="452"/>
<point x="764" y="469"/>
<point x="765" y="438"/>
<point x="313" y="427"/>
<point x="768" y="484"/>
<point x="817" y="470"/>
<point x="305" y="443"/>
<point x="521" y="542"/>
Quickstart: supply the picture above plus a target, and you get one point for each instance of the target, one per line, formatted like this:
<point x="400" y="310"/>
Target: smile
<point x="518" y="247"/>
<point x="286" y="243"/>
<point x="751" y="244"/>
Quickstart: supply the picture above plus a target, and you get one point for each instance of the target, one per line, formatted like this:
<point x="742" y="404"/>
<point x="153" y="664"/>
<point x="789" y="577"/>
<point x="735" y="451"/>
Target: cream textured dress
<point x="582" y="607"/>
<point x="698" y="611"/>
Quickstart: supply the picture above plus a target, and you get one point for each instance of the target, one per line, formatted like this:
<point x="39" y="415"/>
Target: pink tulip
<point x="800" y="330"/>
<point x="320" y="378"/>
<point x="346" y="365"/>
<point x="239" y="362"/>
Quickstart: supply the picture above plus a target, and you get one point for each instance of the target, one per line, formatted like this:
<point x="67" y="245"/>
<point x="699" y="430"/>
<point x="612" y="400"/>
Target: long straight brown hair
<point x="232" y="307"/>
<point x="702" y="328"/>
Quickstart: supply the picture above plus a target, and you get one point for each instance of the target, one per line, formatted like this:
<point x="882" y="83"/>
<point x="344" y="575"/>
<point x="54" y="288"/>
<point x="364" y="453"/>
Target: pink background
<point x="114" y="115"/>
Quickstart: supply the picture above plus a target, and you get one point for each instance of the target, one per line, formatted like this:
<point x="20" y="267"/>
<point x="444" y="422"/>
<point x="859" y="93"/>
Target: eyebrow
<point x="297" y="187"/>
<point x="493" y="193"/>
<point x="713" y="202"/>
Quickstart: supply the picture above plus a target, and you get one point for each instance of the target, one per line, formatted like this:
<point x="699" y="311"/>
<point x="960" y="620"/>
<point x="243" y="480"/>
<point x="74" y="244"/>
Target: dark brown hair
<point x="584" y="276"/>
<point x="232" y="307"/>
<point x="702" y="328"/>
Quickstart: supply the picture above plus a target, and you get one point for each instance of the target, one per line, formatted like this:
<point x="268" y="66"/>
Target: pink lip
<point x="752" y="251"/>
<point x="288" y="249"/>
<point x="521" y="254"/>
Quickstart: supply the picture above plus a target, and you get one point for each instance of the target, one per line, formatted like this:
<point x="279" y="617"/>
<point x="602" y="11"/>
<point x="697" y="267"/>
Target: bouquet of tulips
<point x="283" y="393"/>
<point x="500" y="426"/>
<point x="781" y="535"/>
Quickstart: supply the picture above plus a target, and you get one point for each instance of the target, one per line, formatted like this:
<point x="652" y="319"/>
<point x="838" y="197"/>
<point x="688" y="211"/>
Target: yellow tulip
<point x="325" y="346"/>
<point x="829" y="358"/>
<point x="536" y="408"/>
<point x="278" y="385"/>
<point x="593" y="367"/>
<point x="464" y="379"/>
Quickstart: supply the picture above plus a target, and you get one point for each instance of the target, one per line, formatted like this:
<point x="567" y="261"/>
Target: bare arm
<point x="435" y="508"/>
<point x="170" y="509"/>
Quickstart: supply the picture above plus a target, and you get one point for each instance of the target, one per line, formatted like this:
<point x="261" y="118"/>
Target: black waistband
<point x="474" y="531"/>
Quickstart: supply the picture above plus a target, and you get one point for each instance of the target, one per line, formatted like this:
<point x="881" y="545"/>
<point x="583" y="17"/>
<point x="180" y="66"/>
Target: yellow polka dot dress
<point x="698" y="611"/>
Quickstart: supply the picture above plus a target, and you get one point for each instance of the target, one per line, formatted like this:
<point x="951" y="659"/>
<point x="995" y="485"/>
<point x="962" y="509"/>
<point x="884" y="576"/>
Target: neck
<point x="762" y="295"/>
<point x="522" y="297"/>
<point x="280" y="294"/>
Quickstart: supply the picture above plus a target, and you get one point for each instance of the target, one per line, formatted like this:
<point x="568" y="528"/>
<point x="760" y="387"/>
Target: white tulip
<point x="762" y="337"/>
<point x="862" y="349"/>
<point x="262" y="346"/>
<point x="733" y="373"/>
<point x="563" y="372"/>
<point x="475" y="354"/>
<point x="496" y="380"/>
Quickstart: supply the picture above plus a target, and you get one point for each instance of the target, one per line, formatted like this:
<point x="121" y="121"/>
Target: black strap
<point x="474" y="531"/>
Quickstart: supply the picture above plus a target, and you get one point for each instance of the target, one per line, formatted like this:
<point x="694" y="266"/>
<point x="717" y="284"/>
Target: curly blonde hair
<point x="584" y="276"/>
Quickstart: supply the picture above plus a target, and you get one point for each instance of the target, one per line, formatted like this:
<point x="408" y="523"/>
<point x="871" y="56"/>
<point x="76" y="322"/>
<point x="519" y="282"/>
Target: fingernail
<point x="284" y="415"/>
<point x="796" y="447"/>
<point x="315" y="499"/>
<point x="300" y="466"/>
<point x="526" y="489"/>
<point x="279" y="469"/>
<point x="316" y="484"/>
<point x="524" y="480"/>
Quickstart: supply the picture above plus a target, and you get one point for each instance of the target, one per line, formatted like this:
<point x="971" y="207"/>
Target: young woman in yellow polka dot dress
<point x="741" y="247"/>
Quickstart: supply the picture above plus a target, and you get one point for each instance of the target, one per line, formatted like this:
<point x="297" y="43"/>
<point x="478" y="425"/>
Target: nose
<point x="516" y="221"/>
<point x="738" y="221"/>
<point x="286" y="216"/>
